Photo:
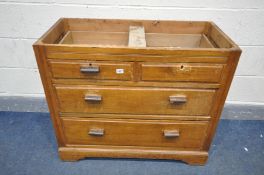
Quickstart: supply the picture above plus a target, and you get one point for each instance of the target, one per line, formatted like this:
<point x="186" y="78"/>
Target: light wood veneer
<point x="135" y="88"/>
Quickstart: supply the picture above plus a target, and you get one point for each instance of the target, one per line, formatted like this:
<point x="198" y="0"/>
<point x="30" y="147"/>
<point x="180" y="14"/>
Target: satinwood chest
<point x="135" y="88"/>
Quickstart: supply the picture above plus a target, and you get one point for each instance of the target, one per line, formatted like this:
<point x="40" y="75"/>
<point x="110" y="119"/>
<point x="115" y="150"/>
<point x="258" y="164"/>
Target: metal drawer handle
<point x="171" y="133"/>
<point x="96" y="132"/>
<point x="93" y="98"/>
<point x="177" y="99"/>
<point x="90" y="69"/>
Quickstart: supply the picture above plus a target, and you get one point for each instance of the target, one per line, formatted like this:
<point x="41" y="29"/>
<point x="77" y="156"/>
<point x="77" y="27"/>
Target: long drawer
<point x="135" y="132"/>
<point x="134" y="100"/>
<point x="191" y="72"/>
<point x="91" y="70"/>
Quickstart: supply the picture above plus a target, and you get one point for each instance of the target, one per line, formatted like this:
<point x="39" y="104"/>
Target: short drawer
<point x="191" y="72"/>
<point x="134" y="100"/>
<point x="92" y="70"/>
<point x="135" y="132"/>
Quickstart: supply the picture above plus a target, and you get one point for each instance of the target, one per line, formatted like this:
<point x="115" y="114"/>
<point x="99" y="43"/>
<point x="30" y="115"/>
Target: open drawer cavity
<point x="136" y="37"/>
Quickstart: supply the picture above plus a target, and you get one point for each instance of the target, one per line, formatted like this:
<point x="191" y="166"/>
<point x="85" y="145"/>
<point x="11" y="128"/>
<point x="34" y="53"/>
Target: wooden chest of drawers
<point x="135" y="88"/>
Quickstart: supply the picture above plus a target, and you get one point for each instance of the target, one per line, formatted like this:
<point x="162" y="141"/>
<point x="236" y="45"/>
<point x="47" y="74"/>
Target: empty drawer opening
<point x="95" y="38"/>
<point x="136" y="37"/>
<point x="178" y="40"/>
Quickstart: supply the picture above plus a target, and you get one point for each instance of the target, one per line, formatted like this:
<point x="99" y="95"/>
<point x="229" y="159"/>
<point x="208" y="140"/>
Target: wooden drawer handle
<point x="90" y="69"/>
<point x="93" y="98"/>
<point x="96" y="132"/>
<point x="177" y="99"/>
<point x="171" y="133"/>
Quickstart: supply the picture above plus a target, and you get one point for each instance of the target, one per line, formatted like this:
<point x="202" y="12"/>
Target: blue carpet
<point x="28" y="147"/>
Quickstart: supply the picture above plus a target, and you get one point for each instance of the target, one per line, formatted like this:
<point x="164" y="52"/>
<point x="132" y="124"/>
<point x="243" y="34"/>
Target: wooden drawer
<point x="92" y="70"/>
<point x="191" y="72"/>
<point x="135" y="132"/>
<point x="134" y="100"/>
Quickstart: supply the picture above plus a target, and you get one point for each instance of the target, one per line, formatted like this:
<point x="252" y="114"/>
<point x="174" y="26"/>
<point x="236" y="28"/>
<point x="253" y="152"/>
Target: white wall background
<point x="23" y="21"/>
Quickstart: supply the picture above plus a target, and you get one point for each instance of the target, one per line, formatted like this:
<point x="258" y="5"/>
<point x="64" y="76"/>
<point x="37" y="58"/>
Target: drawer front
<point x="91" y="70"/>
<point x="135" y="132"/>
<point x="96" y="99"/>
<point x="181" y="72"/>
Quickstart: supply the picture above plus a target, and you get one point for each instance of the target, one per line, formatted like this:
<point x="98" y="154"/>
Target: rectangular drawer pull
<point x="96" y="132"/>
<point x="171" y="133"/>
<point x="177" y="99"/>
<point x="93" y="98"/>
<point x="90" y="69"/>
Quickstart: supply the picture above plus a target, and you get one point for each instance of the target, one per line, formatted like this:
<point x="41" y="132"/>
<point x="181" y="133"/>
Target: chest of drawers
<point x="135" y="88"/>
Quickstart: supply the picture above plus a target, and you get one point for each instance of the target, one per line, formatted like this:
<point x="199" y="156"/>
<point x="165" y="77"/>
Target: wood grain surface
<point x="109" y="98"/>
<point x="135" y="132"/>
<point x="134" y="100"/>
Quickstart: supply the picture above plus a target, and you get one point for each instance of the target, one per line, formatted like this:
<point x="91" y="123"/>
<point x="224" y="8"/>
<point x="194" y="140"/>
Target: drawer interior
<point x="151" y="34"/>
<point x="145" y="40"/>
